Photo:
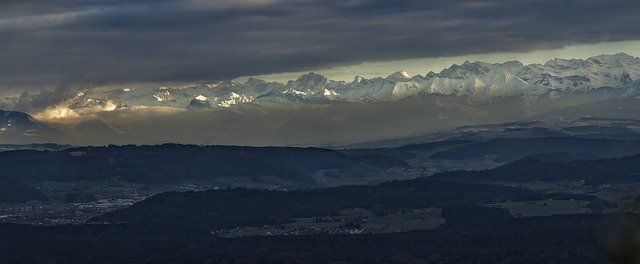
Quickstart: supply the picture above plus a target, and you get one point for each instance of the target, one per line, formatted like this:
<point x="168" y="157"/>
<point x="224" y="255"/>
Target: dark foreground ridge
<point x="557" y="239"/>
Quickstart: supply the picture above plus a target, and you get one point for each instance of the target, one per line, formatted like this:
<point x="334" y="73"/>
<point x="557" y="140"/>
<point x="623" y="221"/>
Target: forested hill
<point x="534" y="168"/>
<point x="228" y="208"/>
<point x="511" y="149"/>
<point x="171" y="163"/>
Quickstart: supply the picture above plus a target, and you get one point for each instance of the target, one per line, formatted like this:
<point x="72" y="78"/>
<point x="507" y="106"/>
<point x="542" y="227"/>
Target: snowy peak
<point x="221" y="85"/>
<point x="399" y="75"/>
<point x="478" y="80"/>
<point x="512" y="64"/>
<point x="235" y="99"/>
<point x="310" y="84"/>
<point x="310" y="79"/>
<point x="615" y="58"/>
<point x="463" y="71"/>
<point x="358" y="79"/>
<point x="254" y="81"/>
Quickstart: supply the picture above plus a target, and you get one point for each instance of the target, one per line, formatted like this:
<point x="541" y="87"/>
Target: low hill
<point x="530" y="169"/>
<point x="511" y="149"/>
<point x="407" y="151"/>
<point x="230" y="208"/>
<point x="172" y="163"/>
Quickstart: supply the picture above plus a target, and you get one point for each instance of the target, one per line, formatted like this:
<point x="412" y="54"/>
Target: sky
<point x="47" y="44"/>
<point x="424" y="65"/>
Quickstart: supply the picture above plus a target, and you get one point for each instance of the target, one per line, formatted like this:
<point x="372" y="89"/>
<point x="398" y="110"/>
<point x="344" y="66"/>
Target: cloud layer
<point x="119" y="42"/>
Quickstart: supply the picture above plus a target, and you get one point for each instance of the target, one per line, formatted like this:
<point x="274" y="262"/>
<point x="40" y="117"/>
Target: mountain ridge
<point x="259" y="112"/>
<point x="555" y="78"/>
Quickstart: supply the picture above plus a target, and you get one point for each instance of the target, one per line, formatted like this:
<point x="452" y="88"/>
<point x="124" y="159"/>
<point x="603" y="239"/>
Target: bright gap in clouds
<point x="424" y="65"/>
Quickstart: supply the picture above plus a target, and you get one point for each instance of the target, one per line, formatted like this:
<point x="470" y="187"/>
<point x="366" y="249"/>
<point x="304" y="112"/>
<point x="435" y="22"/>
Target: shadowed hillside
<point x="16" y="191"/>
<point x="173" y="163"/>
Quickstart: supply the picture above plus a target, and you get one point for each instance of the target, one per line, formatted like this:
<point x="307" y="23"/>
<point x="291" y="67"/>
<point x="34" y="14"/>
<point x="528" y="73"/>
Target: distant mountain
<point x="15" y="191"/>
<point x="555" y="80"/>
<point x="557" y="124"/>
<point x="17" y="127"/>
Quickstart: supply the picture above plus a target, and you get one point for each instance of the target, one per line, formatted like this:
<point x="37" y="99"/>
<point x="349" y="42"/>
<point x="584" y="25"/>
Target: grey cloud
<point x="116" y="42"/>
<point x="54" y="95"/>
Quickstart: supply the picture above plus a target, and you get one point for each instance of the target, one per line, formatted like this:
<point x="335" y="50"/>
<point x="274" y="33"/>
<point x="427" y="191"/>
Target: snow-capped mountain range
<point x="480" y="80"/>
<point x="314" y="110"/>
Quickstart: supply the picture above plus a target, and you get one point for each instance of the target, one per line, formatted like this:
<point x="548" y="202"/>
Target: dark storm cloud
<point x="48" y="42"/>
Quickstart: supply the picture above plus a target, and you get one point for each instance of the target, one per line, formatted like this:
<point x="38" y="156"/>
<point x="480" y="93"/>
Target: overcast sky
<point x="45" y="43"/>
